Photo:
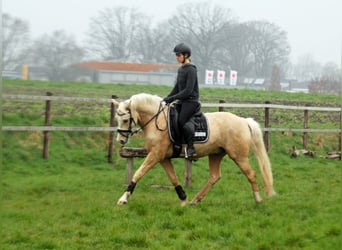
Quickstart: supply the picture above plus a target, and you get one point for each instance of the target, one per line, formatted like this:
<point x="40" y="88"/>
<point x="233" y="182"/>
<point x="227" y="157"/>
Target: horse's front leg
<point x="148" y="163"/>
<point x="170" y="171"/>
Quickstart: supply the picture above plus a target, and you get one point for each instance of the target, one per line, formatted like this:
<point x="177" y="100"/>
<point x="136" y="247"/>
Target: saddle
<point x="201" y="133"/>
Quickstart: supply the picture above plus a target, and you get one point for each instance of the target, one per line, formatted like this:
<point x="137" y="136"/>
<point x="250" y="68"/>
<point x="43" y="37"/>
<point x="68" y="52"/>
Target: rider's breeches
<point x="188" y="109"/>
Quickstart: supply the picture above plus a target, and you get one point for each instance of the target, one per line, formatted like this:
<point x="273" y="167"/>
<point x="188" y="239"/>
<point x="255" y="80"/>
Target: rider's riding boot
<point x="188" y="134"/>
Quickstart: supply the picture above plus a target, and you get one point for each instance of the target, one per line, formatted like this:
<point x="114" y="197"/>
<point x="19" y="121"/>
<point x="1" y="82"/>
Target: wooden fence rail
<point x="56" y="98"/>
<point x="110" y="129"/>
<point x="221" y="105"/>
<point x="57" y="128"/>
<point x="131" y="153"/>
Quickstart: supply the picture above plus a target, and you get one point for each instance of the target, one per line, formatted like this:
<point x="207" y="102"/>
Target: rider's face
<point x="180" y="57"/>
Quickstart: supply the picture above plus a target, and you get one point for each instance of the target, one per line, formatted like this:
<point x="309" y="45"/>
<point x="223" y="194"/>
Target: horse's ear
<point x="116" y="103"/>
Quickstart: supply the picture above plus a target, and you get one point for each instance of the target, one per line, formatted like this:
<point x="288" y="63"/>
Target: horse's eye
<point x="125" y="121"/>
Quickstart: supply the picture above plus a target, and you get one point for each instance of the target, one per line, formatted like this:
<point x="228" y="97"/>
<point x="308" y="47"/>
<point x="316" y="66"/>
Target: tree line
<point x="256" y="49"/>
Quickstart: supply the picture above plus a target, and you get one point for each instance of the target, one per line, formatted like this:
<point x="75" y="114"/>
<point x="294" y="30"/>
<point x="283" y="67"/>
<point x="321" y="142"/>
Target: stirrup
<point x="192" y="153"/>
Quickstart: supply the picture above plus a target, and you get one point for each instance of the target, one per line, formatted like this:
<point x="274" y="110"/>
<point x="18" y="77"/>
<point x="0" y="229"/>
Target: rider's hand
<point x="167" y="100"/>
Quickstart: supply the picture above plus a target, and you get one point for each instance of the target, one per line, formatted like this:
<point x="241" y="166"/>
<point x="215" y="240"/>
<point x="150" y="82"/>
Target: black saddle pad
<point x="201" y="133"/>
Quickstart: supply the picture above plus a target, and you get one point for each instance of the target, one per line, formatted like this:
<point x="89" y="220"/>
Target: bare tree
<point x="325" y="84"/>
<point x="219" y="41"/>
<point x="306" y="68"/>
<point x="165" y="44"/>
<point x="54" y="53"/>
<point x="236" y="51"/>
<point x="329" y="81"/>
<point x="332" y="71"/>
<point x="201" y="26"/>
<point x="114" y="32"/>
<point x="153" y="45"/>
<point x="269" y="46"/>
<point x="15" y="40"/>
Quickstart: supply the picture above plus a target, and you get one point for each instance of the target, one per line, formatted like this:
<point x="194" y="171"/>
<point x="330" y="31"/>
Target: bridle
<point x="127" y="132"/>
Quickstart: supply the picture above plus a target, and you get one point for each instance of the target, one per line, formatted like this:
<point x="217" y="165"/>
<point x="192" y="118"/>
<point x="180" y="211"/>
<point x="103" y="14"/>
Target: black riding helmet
<point x="183" y="49"/>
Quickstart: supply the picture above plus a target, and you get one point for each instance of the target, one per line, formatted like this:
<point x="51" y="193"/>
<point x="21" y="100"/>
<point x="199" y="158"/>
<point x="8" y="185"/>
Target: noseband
<point x="126" y="132"/>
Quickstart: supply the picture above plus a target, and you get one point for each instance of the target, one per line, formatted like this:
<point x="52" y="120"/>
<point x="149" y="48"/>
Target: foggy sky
<point x="313" y="26"/>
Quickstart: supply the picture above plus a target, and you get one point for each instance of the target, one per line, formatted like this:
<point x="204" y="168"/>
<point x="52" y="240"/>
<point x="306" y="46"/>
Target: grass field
<point x="69" y="200"/>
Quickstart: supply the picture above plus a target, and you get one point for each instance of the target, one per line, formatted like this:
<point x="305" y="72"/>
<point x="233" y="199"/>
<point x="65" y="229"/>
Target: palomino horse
<point x="229" y="135"/>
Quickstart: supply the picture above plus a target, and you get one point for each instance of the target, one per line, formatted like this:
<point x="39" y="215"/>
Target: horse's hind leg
<point x="214" y="176"/>
<point x="170" y="171"/>
<point x="246" y="168"/>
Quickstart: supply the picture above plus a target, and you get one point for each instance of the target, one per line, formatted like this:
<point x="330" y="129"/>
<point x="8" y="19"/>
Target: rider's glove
<point x="167" y="100"/>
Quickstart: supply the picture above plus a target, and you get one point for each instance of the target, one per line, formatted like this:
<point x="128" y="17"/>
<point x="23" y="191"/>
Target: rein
<point x="129" y="131"/>
<point x="160" y="109"/>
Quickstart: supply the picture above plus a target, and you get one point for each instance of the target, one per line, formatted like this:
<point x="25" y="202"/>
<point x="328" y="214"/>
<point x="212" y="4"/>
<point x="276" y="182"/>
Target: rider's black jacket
<point x="186" y="87"/>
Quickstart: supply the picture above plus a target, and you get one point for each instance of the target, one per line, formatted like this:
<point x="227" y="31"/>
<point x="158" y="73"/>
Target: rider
<point x="187" y="93"/>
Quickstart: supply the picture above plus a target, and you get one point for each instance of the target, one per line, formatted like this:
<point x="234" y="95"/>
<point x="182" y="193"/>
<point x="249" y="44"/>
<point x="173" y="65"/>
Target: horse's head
<point x="128" y="113"/>
<point x="126" y="120"/>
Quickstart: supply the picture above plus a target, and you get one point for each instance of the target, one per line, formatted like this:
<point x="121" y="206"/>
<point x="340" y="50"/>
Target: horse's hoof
<point x="271" y="193"/>
<point x="258" y="200"/>
<point x="120" y="202"/>
<point x="257" y="197"/>
<point x="183" y="203"/>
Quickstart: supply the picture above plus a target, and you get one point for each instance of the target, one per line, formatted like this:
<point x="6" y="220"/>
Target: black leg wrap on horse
<point x="131" y="187"/>
<point x="180" y="192"/>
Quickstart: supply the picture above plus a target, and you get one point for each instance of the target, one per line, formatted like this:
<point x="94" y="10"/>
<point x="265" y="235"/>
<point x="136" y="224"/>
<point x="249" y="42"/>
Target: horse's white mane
<point x="143" y="102"/>
<point x="144" y="99"/>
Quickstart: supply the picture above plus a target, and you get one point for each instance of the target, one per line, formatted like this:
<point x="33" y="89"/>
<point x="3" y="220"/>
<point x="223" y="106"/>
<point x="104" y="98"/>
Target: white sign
<point x="233" y="77"/>
<point x="220" y="77"/>
<point x="209" y="77"/>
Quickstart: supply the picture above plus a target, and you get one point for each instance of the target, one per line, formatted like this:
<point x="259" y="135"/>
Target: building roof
<point x="120" y="66"/>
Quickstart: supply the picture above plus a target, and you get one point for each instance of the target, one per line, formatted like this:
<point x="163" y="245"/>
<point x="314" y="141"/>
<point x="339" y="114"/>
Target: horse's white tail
<point x="261" y="154"/>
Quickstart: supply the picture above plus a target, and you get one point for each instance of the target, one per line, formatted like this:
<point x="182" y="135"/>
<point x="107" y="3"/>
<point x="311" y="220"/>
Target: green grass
<point x="70" y="204"/>
<point x="69" y="200"/>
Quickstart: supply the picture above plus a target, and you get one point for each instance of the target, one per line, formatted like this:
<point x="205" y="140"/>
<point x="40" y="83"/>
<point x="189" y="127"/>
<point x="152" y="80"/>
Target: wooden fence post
<point x="188" y="173"/>
<point x="267" y="124"/>
<point x="305" y="134"/>
<point x="47" y="123"/>
<point x="111" y="133"/>
<point x="130" y="153"/>
<point x="221" y="109"/>
<point x="129" y="170"/>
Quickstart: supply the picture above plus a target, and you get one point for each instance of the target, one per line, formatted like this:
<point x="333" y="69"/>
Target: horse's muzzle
<point x="123" y="135"/>
<point x="122" y="139"/>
